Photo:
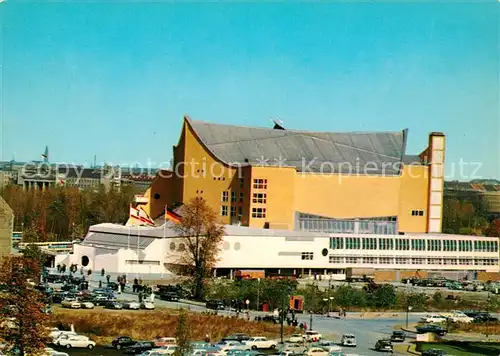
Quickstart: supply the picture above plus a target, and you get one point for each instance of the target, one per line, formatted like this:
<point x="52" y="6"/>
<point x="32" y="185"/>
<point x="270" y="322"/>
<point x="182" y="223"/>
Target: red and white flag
<point x="140" y="215"/>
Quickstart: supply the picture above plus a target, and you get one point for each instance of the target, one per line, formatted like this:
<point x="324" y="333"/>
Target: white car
<point x="71" y="303"/>
<point x="166" y="350"/>
<point x="434" y="319"/>
<point x="148" y="305"/>
<point x="296" y="338"/>
<point x="313" y="336"/>
<point x="87" y="305"/>
<point x="226" y="346"/>
<point x="329" y="346"/>
<point x="61" y="334"/>
<point x="132" y="305"/>
<point x="348" y="340"/>
<point x="260" y="342"/>
<point x="459" y="317"/>
<point x="77" y="341"/>
<point x="316" y="351"/>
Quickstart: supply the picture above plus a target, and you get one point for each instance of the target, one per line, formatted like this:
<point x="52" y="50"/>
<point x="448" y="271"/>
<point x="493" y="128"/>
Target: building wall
<point x="413" y="196"/>
<point x="280" y="197"/>
<point x="206" y="177"/>
<point x="6" y="226"/>
<point x="343" y="196"/>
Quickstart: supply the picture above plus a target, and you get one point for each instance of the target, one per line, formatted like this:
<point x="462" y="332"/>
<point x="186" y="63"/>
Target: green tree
<point x="183" y="335"/>
<point x="347" y="296"/>
<point x="34" y="253"/>
<point x="384" y="296"/>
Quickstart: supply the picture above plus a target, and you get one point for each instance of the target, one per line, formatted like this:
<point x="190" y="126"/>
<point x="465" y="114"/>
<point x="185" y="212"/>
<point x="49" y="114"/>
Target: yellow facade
<point x="239" y="194"/>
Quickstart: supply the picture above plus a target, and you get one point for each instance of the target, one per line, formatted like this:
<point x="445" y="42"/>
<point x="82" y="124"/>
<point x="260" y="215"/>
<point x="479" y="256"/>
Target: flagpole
<point x="164" y="241"/>
<point x="138" y="236"/>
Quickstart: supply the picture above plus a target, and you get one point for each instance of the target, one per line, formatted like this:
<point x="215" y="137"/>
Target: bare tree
<point x="202" y="236"/>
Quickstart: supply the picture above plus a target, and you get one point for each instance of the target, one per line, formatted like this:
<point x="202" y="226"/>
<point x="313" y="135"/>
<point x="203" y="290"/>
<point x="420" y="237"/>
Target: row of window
<point x="348" y="226"/>
<point x="417" y="213"/>
<point x="224" y="210"/>
<point x="259" y="213"/>
<point x="260" y="183"/>
<point x="413" y="260"/>
<point x="225" y="197"/>
<point x="402" y="244"/>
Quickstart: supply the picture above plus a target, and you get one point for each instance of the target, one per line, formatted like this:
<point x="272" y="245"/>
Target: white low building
<point x="152" y="250"/>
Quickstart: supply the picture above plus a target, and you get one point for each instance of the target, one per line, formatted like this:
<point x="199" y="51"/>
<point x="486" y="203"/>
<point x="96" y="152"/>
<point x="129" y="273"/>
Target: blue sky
<point x="116" y="79"/>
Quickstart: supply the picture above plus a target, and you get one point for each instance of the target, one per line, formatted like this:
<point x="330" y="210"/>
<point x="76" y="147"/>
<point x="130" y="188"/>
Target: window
<point x="233" y="211"/>
<point x="259" y="198"/>
<point x="241" y="197"/>
<point x="260" y="184"/>
<point x="353" y="243"/>
<point x="402" y="244"/>
<point x="259" y="213"/>
<point x="434" y="245"/>
<point x="336" y="243"/>
<point x="435" y="261"/>
<point x="307" y="255"/>
<point x="240" y="211"/>
<point x="225" y="196"/>
<point x="417" y="261"/>
<point x="241" y="182"/>
<point x="402" y="261"/>
<point x="335" y="259"/>
<point x="449" y="245"/>
<point x="386" y="260"/>
<point x="418" y="245"/>
<point x="233" y="197"/>
<point x="450" y="261"/>
<point x="350" y="259"/>
<point x="465" y="261"/>
<point x="417" y="213"/>
<point x="370" y="260"/>
<point x="386" y="244"/>
<point x="369" y="243"/>
<point x="223" y="210"/>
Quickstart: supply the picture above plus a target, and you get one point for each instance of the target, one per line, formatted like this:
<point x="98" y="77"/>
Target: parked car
<point x="63" y="336"/>
<point x="384" y="345"/>
<point x="459" y="317"/>
<point x="434" y="318"/>
<point x="87" y="305"/>
<point x="398" y="336"/>
<point x="122" y="341"/>
<point x="77" y="341"/>
<point x="431" y="329"/>
<point x="139" y="347"/>
<point x="313" y="336"/>
<point x="71" y="303"/>
<point x="296" y="338"/>
<point x="215" y="304"/>
<point x="113" y="305"/>
<point x="166" y="350"/>
<point x="148" y="305"/>
<point x="237" y="337"/>
<point x="260" y="342"/>
<point x="485" y="317"/>
<point x="316" y="351"/>
<point x="433" y="352"/>
<point x="170" y="296"/>
<point x="164" y="341"/>
<point x="225" y="346"/>
<point x="132" y="305"/>
<point x="329" y="346"/>
<point x="348" y="340"/>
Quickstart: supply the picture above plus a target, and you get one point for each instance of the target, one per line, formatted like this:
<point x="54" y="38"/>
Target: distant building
<point x="6" y="226"/>
<point x="141" y="182"/>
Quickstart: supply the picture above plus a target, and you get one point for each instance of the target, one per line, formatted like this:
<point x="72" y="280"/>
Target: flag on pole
<point x="172" y="215"/>
<point x="140" y="215"/>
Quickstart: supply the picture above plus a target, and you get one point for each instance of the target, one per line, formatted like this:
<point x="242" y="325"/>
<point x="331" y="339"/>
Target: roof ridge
<point x="296" y="130"/>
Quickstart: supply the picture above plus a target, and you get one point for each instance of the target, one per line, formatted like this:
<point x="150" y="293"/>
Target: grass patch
<point x="458" y="348"/>
<point x="103" y="325"/>
<point x="492" y="328"/>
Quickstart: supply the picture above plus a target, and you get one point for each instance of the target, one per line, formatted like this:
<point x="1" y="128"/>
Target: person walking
<point x="103" y="272"/>
<point x="108" y="277"/>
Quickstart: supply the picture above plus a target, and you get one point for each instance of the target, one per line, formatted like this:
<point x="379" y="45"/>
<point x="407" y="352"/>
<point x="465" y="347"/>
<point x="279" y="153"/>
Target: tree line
<point x="469" y="215"/>
<point x="63" y="213"/>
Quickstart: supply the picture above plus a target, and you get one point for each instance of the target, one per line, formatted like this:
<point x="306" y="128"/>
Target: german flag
<point x="172" y="215"/>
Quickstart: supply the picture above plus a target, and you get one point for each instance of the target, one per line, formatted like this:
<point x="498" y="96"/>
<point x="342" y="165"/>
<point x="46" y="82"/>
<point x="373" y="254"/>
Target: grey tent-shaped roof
<point x="375" y="153"/>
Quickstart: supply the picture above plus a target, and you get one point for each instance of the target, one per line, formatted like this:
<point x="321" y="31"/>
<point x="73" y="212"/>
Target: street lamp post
<point x="408" y="308"/>
<point x="258" y="294"/>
